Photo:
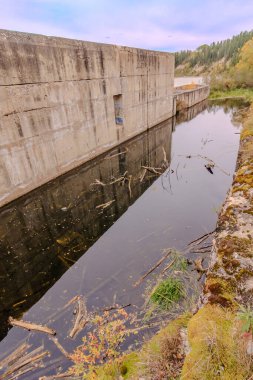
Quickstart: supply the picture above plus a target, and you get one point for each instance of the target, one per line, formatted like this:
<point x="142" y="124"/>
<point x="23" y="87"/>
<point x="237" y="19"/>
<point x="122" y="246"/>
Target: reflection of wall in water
<point x="44" y="233"/>
<point x="189" y="113"/>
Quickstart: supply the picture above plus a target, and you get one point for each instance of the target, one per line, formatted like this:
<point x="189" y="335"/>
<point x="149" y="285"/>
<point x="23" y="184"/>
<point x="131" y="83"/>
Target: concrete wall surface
<point x="188" y="98"/>
<point x="63" y="102"/>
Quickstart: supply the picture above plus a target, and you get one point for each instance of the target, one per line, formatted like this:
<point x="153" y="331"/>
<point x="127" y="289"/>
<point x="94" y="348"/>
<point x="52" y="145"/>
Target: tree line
<point x="227" y="51"/>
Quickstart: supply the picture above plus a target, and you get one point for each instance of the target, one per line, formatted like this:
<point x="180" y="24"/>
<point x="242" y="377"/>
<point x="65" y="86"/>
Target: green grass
<point x="246" y="93"/>
<point x="167" y="292"/>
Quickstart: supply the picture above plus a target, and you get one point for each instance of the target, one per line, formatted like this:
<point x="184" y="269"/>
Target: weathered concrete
<point x="65" y="101"/>
<point x="188" y="98"/>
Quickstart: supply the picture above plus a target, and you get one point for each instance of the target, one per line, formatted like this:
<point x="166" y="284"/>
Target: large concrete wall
<point x="57" y="103"/>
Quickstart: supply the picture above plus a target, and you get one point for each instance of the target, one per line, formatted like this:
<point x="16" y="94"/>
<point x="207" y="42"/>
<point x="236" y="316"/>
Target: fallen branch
<point x="201" y="238"/>
<point x="31" y="326"/>
<point x="81" y="318"/>
<point x="137" y="283"/>
<point x="32" y="357"/>
<point x="156" y="171"/>
<point x="15" y="355"/>
<point x="120" y="179"/>
<point x="25" y="370"/>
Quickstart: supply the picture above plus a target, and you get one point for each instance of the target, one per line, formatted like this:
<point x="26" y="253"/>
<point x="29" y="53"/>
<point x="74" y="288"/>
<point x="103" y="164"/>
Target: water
<point x="55" y="243"/>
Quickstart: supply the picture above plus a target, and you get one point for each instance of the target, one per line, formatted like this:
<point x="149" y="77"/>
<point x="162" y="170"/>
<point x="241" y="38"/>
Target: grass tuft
<point x="167" y="292"/>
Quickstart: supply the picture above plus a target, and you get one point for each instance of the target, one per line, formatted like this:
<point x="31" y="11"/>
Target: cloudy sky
<point x="168" y="25"/>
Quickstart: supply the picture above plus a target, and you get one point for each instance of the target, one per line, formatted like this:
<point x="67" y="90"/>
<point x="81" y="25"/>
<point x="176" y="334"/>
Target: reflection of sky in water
<point x="176" y="208"/>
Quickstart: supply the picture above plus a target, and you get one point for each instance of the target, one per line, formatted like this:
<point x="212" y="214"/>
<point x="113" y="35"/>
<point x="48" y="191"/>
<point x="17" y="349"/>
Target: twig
<point x="137" y="283"/>
<point x="176" y="170"/>
<point x="31" y="326"/>
<point x="201" y="238"/>
<point x="168" y="266"/>
<point x="129" y="185"/>
<point x="29" y="358"/>
<point x="15" y="355"/>
<point x="153" y="170"/>
<point x="60" y="376"/>
<point x="116" y="307"/>
<point x="97" y="183"/>
<point x="143" y="175"/>
<point x="105" y="205"/>
<point x="81" y="318"/>
<point x="120" y="179"/>
<point x="25" y="370"/>
<point x="60" y="347"/>
<point x="117" y="154"/>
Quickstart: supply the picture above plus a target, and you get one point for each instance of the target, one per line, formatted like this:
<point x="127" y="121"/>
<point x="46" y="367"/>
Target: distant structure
<point x="64" y="102"/>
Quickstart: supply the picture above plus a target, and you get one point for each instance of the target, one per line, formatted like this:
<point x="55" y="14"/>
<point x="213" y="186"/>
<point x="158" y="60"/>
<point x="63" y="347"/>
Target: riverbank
<point x="220" y="344"/>
<point x="244" y="93"/>
<point x="215" y="342"/>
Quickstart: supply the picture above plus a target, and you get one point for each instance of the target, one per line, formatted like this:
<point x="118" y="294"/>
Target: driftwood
<point x="157" y="171"/>
<point x="30" y="358"/>
<point x="137" y="283"/>
<point x="81" y="318"/>
<point x="31" y="326"/>
<point x="15" y="355"/>
<point x="23" y="372"/>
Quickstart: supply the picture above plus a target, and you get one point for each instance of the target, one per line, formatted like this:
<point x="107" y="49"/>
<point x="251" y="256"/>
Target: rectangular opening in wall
<point x="118" y="109"/>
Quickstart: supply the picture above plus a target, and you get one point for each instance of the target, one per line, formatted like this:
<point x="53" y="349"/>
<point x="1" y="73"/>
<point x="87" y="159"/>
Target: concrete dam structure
<point x="64" y="102"/>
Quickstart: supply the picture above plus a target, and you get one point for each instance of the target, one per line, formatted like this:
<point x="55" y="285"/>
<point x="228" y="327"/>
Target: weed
<point x="246" y="316"/>
<point x="168" y="292"/>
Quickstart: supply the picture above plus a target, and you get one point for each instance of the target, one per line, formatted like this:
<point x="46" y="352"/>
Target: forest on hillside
<point x="226" y="64"/>
<point x="227" y="52"/>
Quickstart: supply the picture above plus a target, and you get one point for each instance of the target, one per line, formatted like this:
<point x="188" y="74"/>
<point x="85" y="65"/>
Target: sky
<point x="167" y="25"/>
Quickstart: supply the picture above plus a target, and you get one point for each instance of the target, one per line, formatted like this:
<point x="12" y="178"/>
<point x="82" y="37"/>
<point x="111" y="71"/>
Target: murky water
<point x="56" y="242"/>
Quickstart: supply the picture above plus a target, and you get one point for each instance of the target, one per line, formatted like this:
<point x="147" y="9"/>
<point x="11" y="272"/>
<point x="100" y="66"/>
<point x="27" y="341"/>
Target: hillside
<point x="217" y="56"/>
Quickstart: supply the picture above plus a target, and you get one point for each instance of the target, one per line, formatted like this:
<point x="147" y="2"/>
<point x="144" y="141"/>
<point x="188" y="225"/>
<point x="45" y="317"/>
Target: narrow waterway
<point x="59" y="242"/>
